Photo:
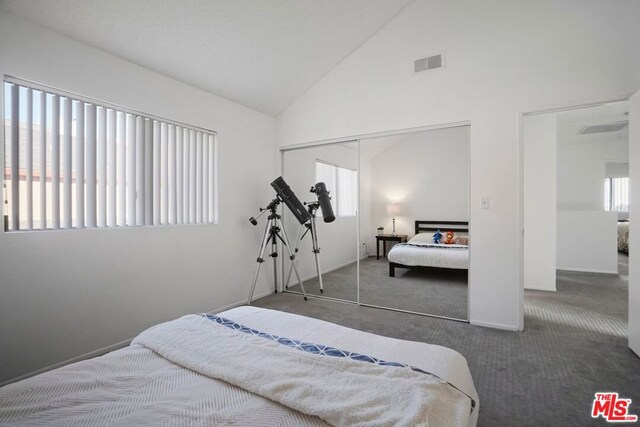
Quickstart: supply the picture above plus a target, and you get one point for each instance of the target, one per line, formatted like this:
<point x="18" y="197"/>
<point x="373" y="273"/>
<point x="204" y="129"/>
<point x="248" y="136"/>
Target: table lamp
<point x="393" y="209"/>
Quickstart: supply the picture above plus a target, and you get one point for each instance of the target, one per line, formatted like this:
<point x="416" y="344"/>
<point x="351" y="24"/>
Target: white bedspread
<point x="430" y="255"/>
<point x="339" y="390"/>
<point x="171" y="382"/>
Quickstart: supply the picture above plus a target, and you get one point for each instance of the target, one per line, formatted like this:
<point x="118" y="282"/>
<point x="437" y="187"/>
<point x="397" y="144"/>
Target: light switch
<point x="484" y="203"/>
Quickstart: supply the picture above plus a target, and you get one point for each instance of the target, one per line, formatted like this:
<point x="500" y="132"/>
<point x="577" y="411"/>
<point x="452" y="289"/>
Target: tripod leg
<point x="292" y="257"/>
<point x="274" y="253"/>
<point x="299" y="239"/>
<point x="260" y="260"/>
<point x="316" y="251"/>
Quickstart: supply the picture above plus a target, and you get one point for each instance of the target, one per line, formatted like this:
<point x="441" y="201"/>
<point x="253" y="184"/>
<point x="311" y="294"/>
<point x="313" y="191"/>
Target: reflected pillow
<point x="462" y="240"/>
<point x="423" y="238"/>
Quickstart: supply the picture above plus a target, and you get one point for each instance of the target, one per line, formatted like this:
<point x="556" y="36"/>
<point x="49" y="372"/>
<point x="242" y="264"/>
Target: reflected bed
<point x="421" y="252"/>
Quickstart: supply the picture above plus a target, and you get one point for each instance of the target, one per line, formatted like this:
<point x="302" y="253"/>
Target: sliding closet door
<point x="411" y="179"/>
<point x="328" y="267"/>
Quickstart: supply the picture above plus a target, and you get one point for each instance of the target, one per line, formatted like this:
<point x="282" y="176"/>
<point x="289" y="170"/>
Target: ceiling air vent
<point x="428" y="63"/>
<point x="607" y="127"/>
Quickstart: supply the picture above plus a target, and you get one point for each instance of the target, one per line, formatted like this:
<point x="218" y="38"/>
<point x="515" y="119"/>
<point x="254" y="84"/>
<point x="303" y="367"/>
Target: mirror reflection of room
<point x="326" y="254"/>
<point x="414" y="221"/>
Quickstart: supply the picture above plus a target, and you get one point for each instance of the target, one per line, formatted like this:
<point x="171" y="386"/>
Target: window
<point x="616" y="194"/>
<point x="77" y="163"/>
<point x="342" y="184"/>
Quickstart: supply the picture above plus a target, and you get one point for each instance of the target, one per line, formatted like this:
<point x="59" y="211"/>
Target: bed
<point x="250" y="366"/>
<point x="623" y="236"/>
<point x="420" y="252"/>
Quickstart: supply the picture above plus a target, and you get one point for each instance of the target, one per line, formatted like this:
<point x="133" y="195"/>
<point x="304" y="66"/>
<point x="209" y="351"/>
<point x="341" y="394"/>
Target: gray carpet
<point x="340" y="283"/>
<point x="574" y="344"/>
<point x="433" y="291"/>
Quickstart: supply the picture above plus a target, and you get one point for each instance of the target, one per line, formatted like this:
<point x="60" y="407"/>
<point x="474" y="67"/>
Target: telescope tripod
<point x="308" y="228"/>
<point x="274" y="231"/>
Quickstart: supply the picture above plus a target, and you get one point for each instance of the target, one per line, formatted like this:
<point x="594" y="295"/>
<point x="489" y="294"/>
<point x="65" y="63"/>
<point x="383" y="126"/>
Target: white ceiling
<point x="605" y="113"/>
<point x="570" y="122"/>
<point x="260" y="53"/>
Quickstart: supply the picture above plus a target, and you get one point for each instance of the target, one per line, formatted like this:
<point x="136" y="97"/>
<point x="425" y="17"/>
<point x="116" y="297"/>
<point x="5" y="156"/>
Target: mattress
<point x="137" y="386"/>
<point x="430" y="255"/>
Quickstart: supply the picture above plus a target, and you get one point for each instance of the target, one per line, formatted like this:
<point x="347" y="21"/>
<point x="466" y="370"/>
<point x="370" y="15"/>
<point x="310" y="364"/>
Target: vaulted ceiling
<point x="259" y="53"/>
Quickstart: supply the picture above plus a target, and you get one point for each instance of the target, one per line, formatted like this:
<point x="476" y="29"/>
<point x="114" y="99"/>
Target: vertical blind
<point x="342" y="183"/>
<point x="616" y="194"/>
<point x="74" y="163"/>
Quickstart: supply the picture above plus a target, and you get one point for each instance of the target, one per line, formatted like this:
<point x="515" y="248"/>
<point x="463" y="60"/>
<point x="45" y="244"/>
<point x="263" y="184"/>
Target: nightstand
<point x="384" y="238"/>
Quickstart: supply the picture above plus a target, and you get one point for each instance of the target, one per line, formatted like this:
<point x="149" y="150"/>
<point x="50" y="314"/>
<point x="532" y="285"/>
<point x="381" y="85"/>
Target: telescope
<point x="285" y="194"/>
<point x="275" y="231"/>
<point x="320" y="190"/>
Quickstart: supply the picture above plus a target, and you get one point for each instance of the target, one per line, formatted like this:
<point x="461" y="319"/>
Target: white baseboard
<point x="85" y="356"/>
<point x="533" y="288"/>
<point x="494" y="325"/>
<point x="634" y="349"/>
<point x="112" y="347"/>
<point x="240" y="303"/>
<point x="588" y="270"/>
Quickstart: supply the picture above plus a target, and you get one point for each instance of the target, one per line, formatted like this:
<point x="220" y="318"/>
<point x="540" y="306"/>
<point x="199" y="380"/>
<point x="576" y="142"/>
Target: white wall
<point x="540" y="141"/>
<point x="634" y="218"/>
<point x="337" y="240"/>
<point x="66" y="293"/>
<point x="588" y="241"/>
<point x="500" y="61"/>
<point x="586" y="234"/>
<point x="365" y="194"/>
<point x="581" y="167"/>
<point x="426" y="172"/>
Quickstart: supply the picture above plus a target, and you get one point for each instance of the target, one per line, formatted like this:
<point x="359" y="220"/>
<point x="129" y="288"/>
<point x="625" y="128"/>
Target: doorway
<point x="576" y="216"/>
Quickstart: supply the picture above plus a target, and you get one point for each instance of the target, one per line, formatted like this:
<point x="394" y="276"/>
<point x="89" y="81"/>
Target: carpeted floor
<point x="434" y="291"/>
<point x="574" y="344"/>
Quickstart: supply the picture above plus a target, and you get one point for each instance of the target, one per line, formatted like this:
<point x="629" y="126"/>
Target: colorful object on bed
<point x="437" y="236"/>
<point x="449" y="240"/>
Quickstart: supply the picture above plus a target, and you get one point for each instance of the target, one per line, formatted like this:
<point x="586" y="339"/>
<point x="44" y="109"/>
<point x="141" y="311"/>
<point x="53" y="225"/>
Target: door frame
<point x="521" y="114"/>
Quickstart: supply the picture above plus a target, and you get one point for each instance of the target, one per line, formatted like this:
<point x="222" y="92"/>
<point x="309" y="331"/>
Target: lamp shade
<point x="394" y="209"/>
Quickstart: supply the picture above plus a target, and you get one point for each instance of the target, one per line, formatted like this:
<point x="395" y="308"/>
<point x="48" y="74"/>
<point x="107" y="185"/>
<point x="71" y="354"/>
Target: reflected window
<point x="616" y="194"/>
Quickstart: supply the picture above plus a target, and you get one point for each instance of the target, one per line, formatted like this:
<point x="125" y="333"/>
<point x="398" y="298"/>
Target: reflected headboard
<point x="424" y="226"/>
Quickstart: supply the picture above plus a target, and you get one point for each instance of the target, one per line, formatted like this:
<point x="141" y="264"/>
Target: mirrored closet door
<point x="327" y="244"/>
<point x="414" y="210"/>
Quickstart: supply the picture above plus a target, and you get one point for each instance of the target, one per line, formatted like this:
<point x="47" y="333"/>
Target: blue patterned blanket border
<point x="322" y="350"/>
<point x="435" y="246"/>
